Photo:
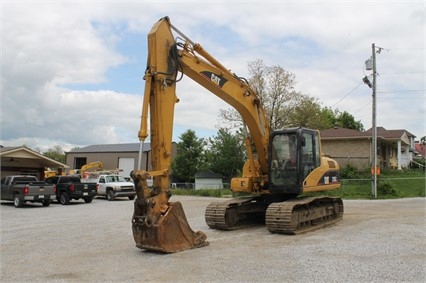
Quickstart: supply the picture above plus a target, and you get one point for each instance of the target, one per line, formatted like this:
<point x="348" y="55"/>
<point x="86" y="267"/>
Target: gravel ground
<point x="377" y="241"/>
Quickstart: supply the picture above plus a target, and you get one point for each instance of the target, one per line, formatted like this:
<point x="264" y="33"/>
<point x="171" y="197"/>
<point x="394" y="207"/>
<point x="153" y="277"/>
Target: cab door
<point x="102" y="185"/>
<point x="6" y="188"/>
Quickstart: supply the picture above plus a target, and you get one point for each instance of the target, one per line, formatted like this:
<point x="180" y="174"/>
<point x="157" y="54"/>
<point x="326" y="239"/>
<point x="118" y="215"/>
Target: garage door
<point x="127" y="164"/>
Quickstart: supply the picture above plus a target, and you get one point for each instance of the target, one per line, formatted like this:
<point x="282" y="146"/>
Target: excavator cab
<point x="295" y="153"/>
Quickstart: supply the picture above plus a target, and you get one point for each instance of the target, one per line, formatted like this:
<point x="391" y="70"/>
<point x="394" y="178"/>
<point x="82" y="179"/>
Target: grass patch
<point x="390" y="184"/>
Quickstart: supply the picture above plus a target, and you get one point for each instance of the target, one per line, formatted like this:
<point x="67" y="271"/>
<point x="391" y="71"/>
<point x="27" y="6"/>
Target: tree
<point x="56" y="153"/>
<point x="284" y="106"/>
<point x="328" y="118"/>
<point x="307" y="113"/>
<point x="346" y="120"/>
<point x="189" y="156"/>
<point x="336" y="118"/>
<point x="225" y="155"/>
<point x="280" y="99"/>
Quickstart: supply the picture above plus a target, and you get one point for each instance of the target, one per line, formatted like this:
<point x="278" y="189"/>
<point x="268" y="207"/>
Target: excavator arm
<point x="96" y="164"/>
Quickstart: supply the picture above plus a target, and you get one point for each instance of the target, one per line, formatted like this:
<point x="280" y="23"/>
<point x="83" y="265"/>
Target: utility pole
<point x="374" y="171"/>
<point x="370" y="64"/>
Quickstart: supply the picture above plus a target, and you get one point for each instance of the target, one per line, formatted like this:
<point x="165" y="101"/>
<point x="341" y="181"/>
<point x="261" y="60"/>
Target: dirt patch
<point x="379" y="240"/>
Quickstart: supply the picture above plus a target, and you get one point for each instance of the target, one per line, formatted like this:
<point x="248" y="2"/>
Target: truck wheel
<point x="110" y="195"/>
<point x="17" y="201"/>
<point x="46" y="202"/>
<point x="131" y="197"/>
<point x="64" y="198"/>
<point x="88" y="200"/>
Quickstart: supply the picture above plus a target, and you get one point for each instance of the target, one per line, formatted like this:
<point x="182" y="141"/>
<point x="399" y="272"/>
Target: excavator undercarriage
<point x="291" y="217"/>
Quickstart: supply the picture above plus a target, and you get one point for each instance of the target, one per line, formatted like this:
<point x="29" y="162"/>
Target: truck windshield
<point x="115" y="179"/>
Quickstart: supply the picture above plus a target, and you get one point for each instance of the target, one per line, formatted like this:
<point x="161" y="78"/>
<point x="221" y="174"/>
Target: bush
<point x="386" y="188"/>
<point x="349" y="172"/>
<point x="419" y="163"/>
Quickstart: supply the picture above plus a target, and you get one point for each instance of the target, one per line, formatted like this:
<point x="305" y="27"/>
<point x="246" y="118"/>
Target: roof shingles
<point x="121" y="147"/>
<point x="350" y="133"/>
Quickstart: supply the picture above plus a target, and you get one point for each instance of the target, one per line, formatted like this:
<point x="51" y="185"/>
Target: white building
<point x="208" y="180"/>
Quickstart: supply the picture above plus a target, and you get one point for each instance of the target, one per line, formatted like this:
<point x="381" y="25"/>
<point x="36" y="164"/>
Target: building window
<point x="79" y="162"/>
<point x="380" y="149"/>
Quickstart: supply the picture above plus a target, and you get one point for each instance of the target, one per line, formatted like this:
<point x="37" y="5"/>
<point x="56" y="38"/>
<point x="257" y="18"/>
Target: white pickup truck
<point x="113" y="186"/>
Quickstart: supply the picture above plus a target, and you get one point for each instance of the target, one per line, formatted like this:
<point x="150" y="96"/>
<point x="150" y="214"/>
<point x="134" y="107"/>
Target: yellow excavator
<point x="282" y="164"/>
<point x="97" y="165"/>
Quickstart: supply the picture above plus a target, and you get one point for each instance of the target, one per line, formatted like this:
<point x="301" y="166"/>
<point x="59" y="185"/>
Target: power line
<point x="401" y="90"/>
<point x="405" y="97"/>
<point x="347" y="94"/>
<point x="362" y="108"/>
<point x="410" y="73"/>
<point x="399" y="49"/>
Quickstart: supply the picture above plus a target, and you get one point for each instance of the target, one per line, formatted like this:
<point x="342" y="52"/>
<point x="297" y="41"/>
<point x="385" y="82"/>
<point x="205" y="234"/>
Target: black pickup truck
<point x="70" y="187"/>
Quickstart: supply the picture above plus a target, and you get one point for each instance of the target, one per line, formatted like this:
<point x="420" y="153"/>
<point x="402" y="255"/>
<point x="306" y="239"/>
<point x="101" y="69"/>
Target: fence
<point x="387" y="187"/>
<point x="191" y="186"/>
<point x="392" y="187"/>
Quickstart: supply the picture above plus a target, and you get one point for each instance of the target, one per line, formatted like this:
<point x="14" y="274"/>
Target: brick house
<point x="420" y="149"/>
<point x="394" y="147"/>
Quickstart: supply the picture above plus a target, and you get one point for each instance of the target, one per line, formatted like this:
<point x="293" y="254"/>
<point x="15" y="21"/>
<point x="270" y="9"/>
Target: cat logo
<point x="216" y="79"/>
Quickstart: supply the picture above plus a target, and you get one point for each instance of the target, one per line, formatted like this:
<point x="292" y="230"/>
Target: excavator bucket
<point x="169" y="234"/>
<point x="160" y="225"/>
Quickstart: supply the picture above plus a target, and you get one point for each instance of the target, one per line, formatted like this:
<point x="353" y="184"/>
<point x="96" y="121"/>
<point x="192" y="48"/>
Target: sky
<point x="72" y="71"/>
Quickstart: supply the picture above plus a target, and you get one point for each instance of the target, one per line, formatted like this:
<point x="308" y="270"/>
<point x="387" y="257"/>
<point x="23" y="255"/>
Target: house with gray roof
<point x="124" y="156"/>
<point x="394" y="147"/>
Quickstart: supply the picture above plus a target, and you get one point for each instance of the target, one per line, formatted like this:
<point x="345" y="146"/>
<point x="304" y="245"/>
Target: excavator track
<point x="236" y="213"/>
<point x="303" y="214"/>
<point x="290" y="217"/>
